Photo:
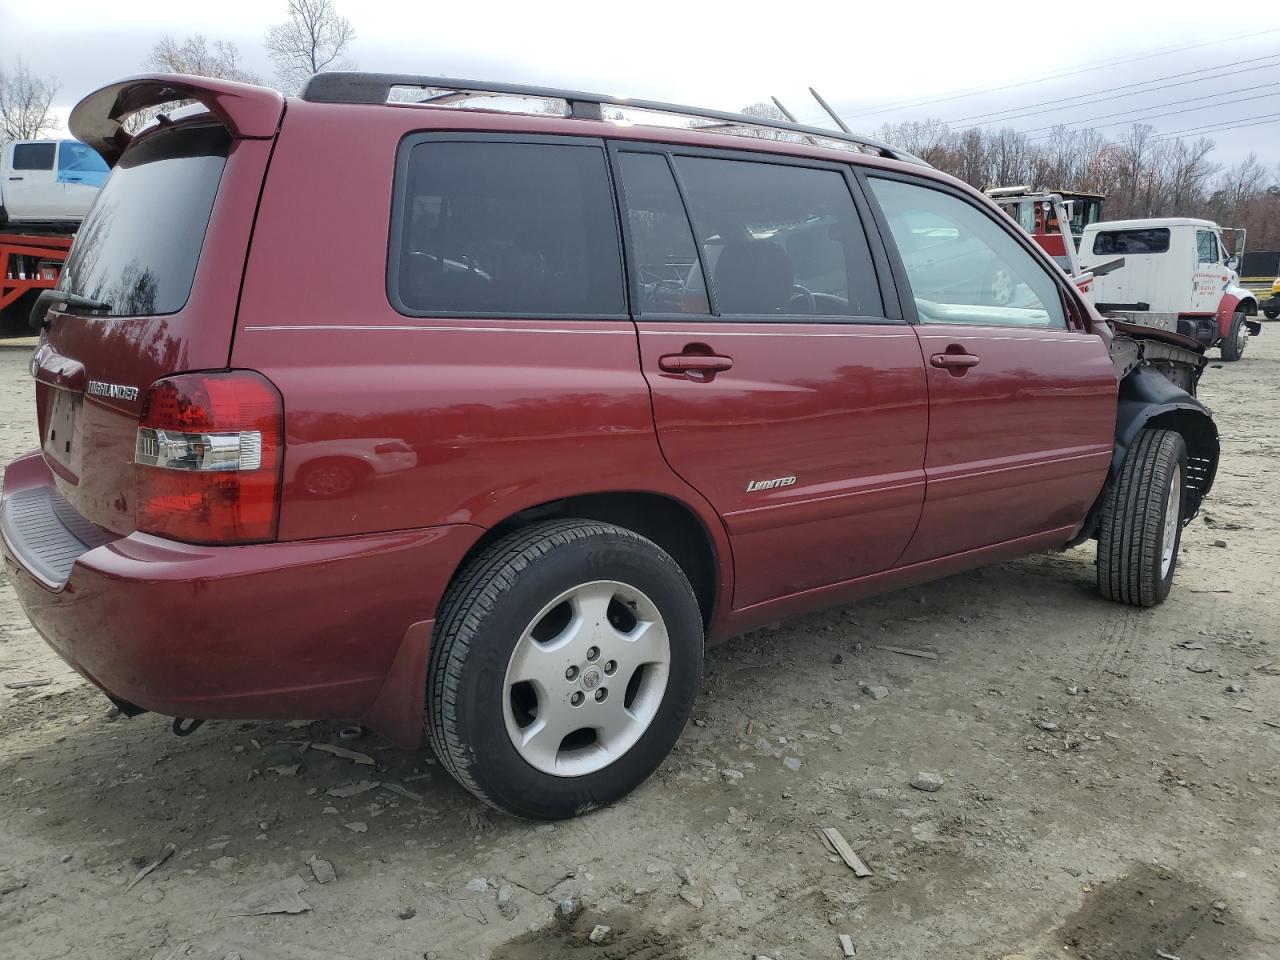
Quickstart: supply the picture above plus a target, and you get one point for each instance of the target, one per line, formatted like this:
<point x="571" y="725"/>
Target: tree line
<point x="312" y="37"/>
<point x="1142" y="173"/>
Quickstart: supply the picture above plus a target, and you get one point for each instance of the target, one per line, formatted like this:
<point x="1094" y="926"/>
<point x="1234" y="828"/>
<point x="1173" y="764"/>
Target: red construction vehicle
<point x="29" y="263"/>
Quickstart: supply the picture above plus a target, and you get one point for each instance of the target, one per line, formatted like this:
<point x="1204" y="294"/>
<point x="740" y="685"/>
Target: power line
<point x="1084" y="97"/>
<point x="1153" y="117"/>
<point x="1217" y="128"/>
<point x="1092" y="121"/>
<point x="978" y="91"/>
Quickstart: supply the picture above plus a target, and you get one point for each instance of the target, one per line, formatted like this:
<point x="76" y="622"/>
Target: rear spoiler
<point x="247" y="111"/>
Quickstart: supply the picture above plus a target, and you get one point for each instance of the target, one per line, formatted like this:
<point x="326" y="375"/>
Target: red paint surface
<point x="904" y="471"/>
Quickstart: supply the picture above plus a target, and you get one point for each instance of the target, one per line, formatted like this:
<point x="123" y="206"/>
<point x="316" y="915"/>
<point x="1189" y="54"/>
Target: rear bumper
<point x="316" y="629"/>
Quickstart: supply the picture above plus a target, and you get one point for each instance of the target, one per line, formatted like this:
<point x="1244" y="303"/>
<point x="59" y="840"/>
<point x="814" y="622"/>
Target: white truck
<point x="48" y="185"/>
<point x="1177" y="276"/>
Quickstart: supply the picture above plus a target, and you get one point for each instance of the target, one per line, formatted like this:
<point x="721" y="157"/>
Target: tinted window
<point x="138" y="247"/>
<point x="33" y="156"/>
<point x="778" y="239"/>
<point x="962" y="265"/>
<point x="1153" y="240"/>
<point x="1207" y="247"/>
<point x="507" y="228"/>
<point x="668" y="277"/>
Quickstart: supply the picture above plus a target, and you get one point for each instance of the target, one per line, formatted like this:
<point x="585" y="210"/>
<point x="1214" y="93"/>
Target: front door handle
<point x="694" y="363"/>
<point x="15" y="178"/>
<point x="954" y="361"/>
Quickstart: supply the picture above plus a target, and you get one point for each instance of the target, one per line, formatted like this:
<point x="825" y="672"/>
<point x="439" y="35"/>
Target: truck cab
<point x="1178" y="275"/>
<point x="48" y="184"/>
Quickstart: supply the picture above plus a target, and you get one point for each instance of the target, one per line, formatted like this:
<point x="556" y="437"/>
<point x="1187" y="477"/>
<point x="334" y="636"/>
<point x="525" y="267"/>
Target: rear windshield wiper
<point x="48" y="297"/>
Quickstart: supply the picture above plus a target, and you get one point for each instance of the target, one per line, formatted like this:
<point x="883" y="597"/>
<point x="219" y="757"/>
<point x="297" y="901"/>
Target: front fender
<point x="1148" y="399"/>
<point x="1236" y="298"/>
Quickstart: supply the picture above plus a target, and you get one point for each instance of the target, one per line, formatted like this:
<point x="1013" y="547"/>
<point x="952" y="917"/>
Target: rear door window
<point x="668" y="274"/>
<point x="496" y="228"/>
<point x="780" y="240"/>
<point x="1151" y="240"/>
<point x="33" y="156"/>
<point x="139" y="245"/>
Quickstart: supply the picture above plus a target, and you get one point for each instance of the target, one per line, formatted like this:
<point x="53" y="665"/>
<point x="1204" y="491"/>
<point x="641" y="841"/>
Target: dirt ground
<point x="1106" y="795"/>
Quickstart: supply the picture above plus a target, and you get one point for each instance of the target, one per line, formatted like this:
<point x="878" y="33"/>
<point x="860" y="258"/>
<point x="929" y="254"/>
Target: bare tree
<point x="24" y="104"/>
<point x="312" y="39"/>
<point x="197" y="56"/>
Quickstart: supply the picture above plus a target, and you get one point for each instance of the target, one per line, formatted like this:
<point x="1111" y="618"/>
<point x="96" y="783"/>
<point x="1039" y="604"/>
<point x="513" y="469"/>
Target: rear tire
<point x="512" y="700"/>
<point x="1141" y="525"/>
<point x="1237" y="337"/>
<point x="1271" y="312"/>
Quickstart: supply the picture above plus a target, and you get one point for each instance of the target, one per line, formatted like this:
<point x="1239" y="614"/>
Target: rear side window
<point x="668" y="275"/>
<point x="1152" y="240"/>
<point x="779" y="239"/>
<point x="33" y="156"/>
<point x="507" y="229"/>
<point x="139" y="245"/>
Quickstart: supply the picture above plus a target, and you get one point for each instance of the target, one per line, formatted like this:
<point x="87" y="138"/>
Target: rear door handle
<point x="694" y="363"/>
<point x="954" y="360"/>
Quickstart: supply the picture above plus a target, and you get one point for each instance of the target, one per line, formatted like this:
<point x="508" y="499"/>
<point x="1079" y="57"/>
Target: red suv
<point x="369" y="404"/>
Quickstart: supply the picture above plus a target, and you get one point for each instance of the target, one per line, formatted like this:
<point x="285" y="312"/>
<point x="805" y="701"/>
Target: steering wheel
<point x="811" y="305"/>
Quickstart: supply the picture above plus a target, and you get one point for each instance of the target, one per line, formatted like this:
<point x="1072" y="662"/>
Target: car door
<point x="782" y="388"/>
<point x="30" y="190"/>
<point x="81" y="172"/>
<point x="1210" y="275"/>
<point x="1022" y="400"/>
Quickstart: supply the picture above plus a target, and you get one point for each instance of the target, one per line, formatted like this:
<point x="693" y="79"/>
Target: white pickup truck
<point x="48" y="184"/>
<point x="1177" y="275"/>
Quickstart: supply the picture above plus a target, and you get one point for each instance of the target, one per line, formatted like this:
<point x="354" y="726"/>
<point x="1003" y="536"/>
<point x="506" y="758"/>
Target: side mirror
<point x="1232" y="262"/>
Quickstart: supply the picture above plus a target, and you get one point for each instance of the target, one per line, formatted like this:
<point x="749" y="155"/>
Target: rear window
<point x="505" y="229"/>
<point x="1153" y="240"/>
<point x="33" y="156"/>
<point x="138" y="247"/>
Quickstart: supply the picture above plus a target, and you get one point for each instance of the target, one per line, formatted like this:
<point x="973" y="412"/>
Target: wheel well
<point x="1201" y="437"/>
<point x="1248" y="305"/>
<point x="667" y="522"/>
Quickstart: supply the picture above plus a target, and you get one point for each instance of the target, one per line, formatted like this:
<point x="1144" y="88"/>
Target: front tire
<point x="1237" y="337"/>
<point x="563" y="668"/>
<point x="1141" y="525"/>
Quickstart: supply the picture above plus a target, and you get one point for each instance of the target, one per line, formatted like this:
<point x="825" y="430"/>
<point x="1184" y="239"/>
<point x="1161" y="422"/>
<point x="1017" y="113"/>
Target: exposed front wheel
<point x="1141" y="525"/>
<point x="1271" y="312"/>
<point x="1237" y="337"/>
<point x="563" y="668"/>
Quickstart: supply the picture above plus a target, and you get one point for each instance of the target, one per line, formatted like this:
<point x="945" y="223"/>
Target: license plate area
<point x="62" y="435"/>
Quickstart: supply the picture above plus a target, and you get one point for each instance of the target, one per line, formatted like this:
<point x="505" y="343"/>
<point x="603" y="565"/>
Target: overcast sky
<point x="876" y="62"/>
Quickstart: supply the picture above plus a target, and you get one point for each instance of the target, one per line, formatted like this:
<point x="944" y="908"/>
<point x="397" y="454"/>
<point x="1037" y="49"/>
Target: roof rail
<point x="355" y="87"/>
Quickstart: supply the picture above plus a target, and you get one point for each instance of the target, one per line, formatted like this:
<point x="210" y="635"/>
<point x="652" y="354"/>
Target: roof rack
<point x="355" y="87"/>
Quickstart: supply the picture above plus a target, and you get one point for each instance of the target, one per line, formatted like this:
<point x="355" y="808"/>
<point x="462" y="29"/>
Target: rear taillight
<point x="208" y="458"/>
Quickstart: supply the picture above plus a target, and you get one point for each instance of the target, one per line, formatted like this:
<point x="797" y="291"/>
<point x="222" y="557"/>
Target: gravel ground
<point x="1104" y="794"/>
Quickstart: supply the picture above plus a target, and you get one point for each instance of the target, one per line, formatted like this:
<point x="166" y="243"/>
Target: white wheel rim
<point x="1172" y="517"/>
<point x="1242" y="337"/>
<point x="586" y="678"/>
